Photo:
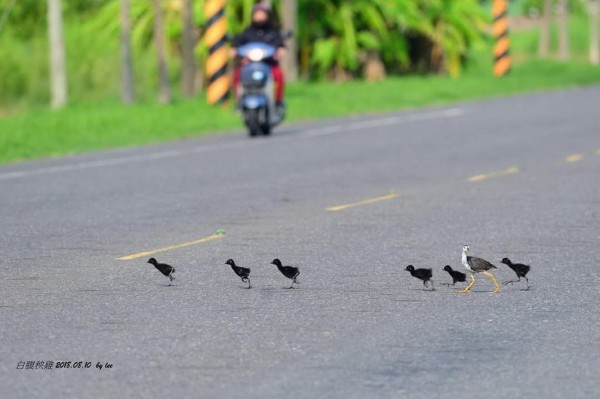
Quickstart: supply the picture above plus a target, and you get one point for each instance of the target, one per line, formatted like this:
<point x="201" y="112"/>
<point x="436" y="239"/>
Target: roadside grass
<point x="319" y="101"/>
<point x="96" y="124"/>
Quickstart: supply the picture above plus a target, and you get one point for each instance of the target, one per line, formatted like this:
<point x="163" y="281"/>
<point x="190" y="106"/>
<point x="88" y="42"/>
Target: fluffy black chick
<point x="520" y="270"/>
<point x="290" y="272"/>
<point x="165" y="269"/>
<point x="422" y="274"/>
<point x="242" y="272"/>
<point x="455" y="274"/>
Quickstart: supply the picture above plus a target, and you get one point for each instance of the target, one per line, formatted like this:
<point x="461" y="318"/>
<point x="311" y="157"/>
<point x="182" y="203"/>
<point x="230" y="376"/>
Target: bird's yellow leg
<point x="468" y="287"/>
<point x="491" y="276"/>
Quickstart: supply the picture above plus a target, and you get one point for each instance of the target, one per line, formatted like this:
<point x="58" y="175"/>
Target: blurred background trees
<point x="58" y="74"/>
<point x="127" y="87"/>
<point x="594" y="11"/>
<point x="120" y="46"/>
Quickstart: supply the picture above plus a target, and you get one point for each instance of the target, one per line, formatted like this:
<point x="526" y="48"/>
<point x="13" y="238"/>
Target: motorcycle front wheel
<point x="253" y="122"/>
<point x="257" y="121"/>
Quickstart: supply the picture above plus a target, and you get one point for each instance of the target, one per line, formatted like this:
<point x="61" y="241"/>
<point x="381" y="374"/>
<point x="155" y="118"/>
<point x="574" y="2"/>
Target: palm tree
<point x="187" y="47"/>
<point x="58" y="74"/>
<point x="159" y="40"/>
<point x="383" y="29"/>
<point x="127" y="90"/>
<point x="544" y="44"/>
<point x="563" y="30"/>
<point x="594" y="9"/>
<point x="289" y="19"/>
<point x="350" y="28"/>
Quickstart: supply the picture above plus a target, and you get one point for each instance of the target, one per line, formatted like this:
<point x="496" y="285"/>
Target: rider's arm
<point x="237" y="42"/>
<point x="280" y="44"/>
<point x="281" y="51"/>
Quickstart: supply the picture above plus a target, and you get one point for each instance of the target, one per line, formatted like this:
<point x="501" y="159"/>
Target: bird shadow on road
<point x="282" y="289"/>
<point x="477" y="292"/>
<point x="408" y="300"/>
<point x="167" y="285"/>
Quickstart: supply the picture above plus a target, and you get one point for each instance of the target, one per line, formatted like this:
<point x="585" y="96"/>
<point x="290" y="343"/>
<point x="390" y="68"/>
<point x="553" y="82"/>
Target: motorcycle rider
<point x="262" y="30"/>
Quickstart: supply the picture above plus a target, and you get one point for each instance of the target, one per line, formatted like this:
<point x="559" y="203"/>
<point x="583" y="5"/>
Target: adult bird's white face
<point x="466" y="248"/>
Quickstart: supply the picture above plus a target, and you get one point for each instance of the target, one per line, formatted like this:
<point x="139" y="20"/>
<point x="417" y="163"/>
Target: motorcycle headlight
<point x="256" y="54"/>
<point x="258" y="75"/>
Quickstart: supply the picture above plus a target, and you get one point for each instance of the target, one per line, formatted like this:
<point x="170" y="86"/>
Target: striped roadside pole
<point x="218" y="52"/>
<point x="502" y="45"/>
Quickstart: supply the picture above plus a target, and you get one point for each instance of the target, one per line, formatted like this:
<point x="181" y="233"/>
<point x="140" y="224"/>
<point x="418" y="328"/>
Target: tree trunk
<point x="58" y="74"/>
<point x="438" y="54"/>
<point x="127" y="90"/>
<point x="544" y="44"/>
<point x="290" y="17"/>
<point x="373" y="70"/>
<point x="563" y="26"/>
<point x="164" y="96"/>
<point x="187" y="46"/>
<point x="595" y="32"/>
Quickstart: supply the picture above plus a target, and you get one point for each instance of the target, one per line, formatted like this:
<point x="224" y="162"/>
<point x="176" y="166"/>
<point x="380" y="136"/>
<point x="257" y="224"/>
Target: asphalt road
<point x="516" y="177"/>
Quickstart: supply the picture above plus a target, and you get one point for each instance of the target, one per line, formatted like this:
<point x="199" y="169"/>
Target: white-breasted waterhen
<point x="477" y="265"/>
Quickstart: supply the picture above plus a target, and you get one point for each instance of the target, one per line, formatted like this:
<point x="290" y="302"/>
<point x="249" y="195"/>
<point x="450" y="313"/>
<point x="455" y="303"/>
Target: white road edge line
<point x="306" y="134"/>
<point x="390" y="121"/>
<point x="88" y="165"/>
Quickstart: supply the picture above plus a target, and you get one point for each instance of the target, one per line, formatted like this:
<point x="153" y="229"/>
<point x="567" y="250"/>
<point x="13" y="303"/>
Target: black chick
<point x="456" y="275"/>
<point x="421" y="274"/>
<point x="165" y="269"/>
<point x="242" y="272"/>
<point x="520" y="270"/>
<point x="290" y="272"/>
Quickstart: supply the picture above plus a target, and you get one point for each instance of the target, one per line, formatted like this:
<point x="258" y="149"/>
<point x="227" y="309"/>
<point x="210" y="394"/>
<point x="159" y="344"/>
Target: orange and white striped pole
<point x="215" y="38"/>
<point x="502" y="62"/>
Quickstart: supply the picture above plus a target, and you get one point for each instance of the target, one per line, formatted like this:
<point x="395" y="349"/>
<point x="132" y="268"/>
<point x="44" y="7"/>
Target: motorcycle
<point x="257" y="89"/>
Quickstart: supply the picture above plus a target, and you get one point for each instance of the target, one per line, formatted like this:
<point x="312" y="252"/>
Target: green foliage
<point x="527" y="44"/>
<point x="23" y="70"/>
<point x="535" y="7"/>
<point x="386" y="26"/>
<point x="349" y="28"/>
<point x="26" y="17"/>
<point x="457" y="27"/>
<point x="335" y="37"/>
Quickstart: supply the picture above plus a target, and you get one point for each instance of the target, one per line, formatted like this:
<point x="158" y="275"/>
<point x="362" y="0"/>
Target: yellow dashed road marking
<point x="172" y="247"/>
<point x="574" y="158"/>
<point x="338" y="208"/>
<point x="510" y="171"/>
